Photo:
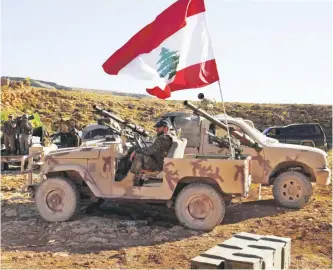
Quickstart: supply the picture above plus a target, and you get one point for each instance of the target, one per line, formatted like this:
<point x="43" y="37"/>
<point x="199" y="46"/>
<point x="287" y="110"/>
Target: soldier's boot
<point x="128" y="181"/>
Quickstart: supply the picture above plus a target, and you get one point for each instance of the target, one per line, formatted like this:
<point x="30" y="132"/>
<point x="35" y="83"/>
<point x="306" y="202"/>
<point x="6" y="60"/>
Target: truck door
<point x="258" y="159"/>
<point x="292" y="135"/>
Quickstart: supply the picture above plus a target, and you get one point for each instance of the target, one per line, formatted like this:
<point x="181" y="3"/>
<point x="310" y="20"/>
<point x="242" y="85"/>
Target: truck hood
<point x="76" y="153"/>
<point x="296" y="147"/>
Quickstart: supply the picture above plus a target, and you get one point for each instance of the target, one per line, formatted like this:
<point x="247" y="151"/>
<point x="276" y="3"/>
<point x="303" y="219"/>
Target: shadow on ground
<point x="112" y="226"/>
<point x="255" y="209"/>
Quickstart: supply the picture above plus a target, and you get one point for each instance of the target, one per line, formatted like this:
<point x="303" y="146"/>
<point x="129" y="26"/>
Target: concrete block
<point x="246" y="251"/>
<point x="249" y="236"/>
<point x="286" y="251"/>
<point x="201" y="262"/>
<point x="238" y="242"/>
<point x="277" y="249"/>
<point x="242" y="262"/>
<point x="227" y="253"/>
<point x="266" y="256"/>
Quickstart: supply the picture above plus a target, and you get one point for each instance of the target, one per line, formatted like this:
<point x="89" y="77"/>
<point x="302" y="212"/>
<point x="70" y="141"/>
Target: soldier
<point x="74" y="139"/>
<point x="9" y="135"/>
<point x="62" y="128"/>
<point x="26" y="131"/>
<point x="152" y="157"/>
<point x="71" y="124"/>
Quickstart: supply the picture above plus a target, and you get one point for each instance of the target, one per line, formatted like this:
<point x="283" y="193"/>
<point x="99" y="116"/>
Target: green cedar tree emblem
<point x="168" y="63"/>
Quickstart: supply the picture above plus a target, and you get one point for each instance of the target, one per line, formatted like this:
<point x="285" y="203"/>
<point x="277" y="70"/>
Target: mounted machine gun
<point x="136" y="129"/>
<point x="244" y="139"/>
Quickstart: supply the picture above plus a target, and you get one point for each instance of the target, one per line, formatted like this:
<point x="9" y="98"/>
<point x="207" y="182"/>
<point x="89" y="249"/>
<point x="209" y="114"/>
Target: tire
<point x="211" y="204"/>
<point x="292" y="189"/>
<point x="57" y="199"/>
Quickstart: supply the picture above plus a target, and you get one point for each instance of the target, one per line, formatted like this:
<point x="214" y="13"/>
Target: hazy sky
<point x="266" y="51"/>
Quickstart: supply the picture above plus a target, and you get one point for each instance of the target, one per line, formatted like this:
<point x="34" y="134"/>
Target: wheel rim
<point x="291" y="190"/>
<point x="56" y="200"/>
<point x="200" y="207"/>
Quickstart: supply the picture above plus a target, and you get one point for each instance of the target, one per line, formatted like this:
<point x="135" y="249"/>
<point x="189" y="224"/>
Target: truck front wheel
<point x="292" y="189"/>
<point x="199" y="206"/>
<point x="57" y="199"/>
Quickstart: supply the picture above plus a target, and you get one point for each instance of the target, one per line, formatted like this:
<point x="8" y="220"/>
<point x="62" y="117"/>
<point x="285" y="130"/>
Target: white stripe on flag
<point x="191" y="43"/>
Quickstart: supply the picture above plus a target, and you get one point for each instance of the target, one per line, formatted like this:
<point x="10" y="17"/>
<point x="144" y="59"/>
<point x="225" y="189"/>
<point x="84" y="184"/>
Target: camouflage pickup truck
<point x="290" y="169"/>
<point x="197" y="186"/>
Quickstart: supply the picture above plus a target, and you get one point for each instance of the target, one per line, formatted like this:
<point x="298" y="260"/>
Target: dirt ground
<point x="148" y="236"/>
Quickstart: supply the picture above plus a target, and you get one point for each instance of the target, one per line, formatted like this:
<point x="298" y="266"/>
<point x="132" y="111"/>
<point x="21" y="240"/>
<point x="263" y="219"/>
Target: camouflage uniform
<point x="9" y="136"/>
<point x="26" y="132"/>
<point x="74" y="139"/>
<point x="152" y="157"/>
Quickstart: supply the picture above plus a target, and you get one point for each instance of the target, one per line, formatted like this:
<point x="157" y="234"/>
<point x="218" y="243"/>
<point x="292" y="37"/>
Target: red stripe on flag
<point x="195" y="7"/>
<point x="170" y="21"/>
<point x="196" y="76"/>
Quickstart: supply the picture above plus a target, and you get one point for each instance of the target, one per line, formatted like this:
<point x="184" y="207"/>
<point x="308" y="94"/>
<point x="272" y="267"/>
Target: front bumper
<point x="323" y="176"/>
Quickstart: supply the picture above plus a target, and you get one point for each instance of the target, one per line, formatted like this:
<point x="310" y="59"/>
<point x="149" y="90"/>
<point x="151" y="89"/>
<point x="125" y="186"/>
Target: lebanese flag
<point x="174" y="51"/>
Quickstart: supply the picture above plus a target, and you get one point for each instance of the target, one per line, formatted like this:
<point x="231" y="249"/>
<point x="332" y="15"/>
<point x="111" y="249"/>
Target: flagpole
<point x="220" y="88"/>
<point x="226" y="120"/>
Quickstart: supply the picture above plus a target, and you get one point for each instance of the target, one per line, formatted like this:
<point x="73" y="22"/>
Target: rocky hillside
<point x="20" y="82"/>
<point x="54" y="104"/>
<point x="37" y="83"/>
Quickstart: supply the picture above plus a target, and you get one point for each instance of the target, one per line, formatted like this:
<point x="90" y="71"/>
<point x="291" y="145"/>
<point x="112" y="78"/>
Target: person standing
<point x="9" y="135"/>
<point x="26" y="132"/>
<point x="74" y="138"/>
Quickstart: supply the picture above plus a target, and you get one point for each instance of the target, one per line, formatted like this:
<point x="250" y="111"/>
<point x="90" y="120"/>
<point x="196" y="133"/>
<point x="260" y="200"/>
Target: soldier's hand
<point x="132" y="156"/>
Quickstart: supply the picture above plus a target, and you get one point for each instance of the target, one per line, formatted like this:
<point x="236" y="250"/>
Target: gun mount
<point x="245" y="139"/>
<point x="224" y="143"/>
<point x="132" y="126"/>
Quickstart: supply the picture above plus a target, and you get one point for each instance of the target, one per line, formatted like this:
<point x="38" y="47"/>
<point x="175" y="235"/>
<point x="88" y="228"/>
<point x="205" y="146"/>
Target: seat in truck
<point x="177" y="150"/>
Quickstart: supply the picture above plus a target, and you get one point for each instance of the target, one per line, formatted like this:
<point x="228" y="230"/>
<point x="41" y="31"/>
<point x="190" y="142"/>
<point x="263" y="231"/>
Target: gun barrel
<point x="108" y="114"/>
<point x="245" y="139"/>
<point x="133" y="127"/>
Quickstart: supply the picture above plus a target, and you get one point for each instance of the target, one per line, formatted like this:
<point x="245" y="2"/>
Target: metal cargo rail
<point x="33" y="166"/>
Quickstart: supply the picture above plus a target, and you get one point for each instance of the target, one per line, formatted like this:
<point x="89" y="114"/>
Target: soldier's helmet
<point x="163" y="123"/>
<point x="10" y="115"/>
<point x="24" y="116"/>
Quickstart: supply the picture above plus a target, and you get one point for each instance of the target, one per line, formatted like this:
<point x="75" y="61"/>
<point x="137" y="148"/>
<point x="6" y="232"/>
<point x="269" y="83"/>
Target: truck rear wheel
<point x="57" y="199"/>
<point x="292" y="189"/>
<point x="200" y="207"/>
